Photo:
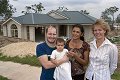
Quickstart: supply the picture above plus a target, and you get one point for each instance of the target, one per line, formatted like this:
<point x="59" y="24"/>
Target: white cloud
<point x="95" y="7"/>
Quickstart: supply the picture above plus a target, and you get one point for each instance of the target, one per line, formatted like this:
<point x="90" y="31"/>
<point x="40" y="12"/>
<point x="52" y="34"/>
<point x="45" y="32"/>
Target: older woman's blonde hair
<point x="104" y="25"/>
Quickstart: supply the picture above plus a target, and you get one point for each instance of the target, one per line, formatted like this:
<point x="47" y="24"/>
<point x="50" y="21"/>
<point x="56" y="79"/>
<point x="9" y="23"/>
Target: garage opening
<point x="39" y="34"/>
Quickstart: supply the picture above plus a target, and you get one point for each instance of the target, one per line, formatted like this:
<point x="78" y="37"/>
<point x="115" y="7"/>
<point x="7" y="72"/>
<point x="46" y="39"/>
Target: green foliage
<point x="62" y="8"/>
<point x="3" y="78"/>
<point x="108" y="15"/>
<point x="116" y="76"/>
<point x="115" y="39"/>
<point x="6" y="9"/>
<point x="118" y="19"/>
<point x="84" y="12"/>
<point x="31" y="60"/>
<point x="36" y="8"/>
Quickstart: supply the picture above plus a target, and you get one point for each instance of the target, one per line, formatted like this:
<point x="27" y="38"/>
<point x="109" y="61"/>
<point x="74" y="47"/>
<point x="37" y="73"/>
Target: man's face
<point x="51" y="35"/>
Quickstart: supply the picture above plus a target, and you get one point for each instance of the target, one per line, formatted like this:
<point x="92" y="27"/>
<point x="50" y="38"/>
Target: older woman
<point x="78" y="52"/>
<point x="103" y="54"/>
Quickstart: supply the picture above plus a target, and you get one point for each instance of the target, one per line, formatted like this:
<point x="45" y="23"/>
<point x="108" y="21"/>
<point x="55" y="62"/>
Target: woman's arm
<point x="113" y="59"/>
<point x="82" y="61"/>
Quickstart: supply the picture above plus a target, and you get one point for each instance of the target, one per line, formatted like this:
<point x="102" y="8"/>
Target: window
<point x="28" y="32"/>
<point x="14" y="30"/>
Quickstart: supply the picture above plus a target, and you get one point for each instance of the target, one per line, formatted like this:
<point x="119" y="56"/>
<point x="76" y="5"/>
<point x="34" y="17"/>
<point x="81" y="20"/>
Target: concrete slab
<point x="16" y="71"/>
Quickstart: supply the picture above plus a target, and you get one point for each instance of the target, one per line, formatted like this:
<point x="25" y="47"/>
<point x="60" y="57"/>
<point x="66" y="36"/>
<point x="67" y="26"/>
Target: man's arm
<point x="63" y="60"/>
<point x="45" y="62"/>
<point x="54" y="61"/>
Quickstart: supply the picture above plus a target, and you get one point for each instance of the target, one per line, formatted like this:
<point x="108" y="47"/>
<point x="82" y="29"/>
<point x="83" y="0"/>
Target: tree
<point x="6" y="10"/>
<point x="84" y="12"/>
<point x="28" y="8"/>
<point x="36" y="8"/>
<point x="110" y="12"/>
<point x="118" y="19"/>
<point x="62" y="8"/>
<point x="106" y="17"/>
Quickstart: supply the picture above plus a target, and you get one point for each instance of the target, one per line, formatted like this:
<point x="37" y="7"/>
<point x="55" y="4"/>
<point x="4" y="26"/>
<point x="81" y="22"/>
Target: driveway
<point x="16" y="71"/>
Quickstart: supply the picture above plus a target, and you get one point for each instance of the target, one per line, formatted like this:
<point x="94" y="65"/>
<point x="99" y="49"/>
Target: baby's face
<point x="60" y="46"/>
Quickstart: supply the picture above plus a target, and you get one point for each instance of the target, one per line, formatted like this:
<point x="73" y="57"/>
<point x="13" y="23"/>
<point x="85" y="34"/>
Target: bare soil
<point x="15" y="46"/>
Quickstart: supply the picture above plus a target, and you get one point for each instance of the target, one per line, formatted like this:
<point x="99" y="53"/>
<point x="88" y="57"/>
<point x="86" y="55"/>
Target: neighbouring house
<point x="32" y="25"/>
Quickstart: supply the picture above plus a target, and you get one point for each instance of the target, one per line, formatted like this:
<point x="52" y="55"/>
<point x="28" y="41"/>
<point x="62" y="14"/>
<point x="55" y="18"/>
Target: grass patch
<point x="30" y="60"/>
<point x="3" y="78"/>
<point x="116" y="76"/>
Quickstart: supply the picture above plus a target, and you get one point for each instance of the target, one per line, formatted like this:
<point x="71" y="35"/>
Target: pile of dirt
<point x="8" y="40"/>
<point x="19" y="49"/>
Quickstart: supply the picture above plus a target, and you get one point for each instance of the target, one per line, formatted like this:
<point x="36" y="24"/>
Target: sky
<point x="94" y="7"/>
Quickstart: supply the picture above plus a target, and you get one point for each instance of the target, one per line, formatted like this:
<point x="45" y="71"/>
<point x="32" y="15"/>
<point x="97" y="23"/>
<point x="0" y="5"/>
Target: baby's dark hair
<point x="60" y="40"/>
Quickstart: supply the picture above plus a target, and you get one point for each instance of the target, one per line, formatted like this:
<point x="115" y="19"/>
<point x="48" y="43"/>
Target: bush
<point x="3" y="78"/>
<point x="115" y="39"/>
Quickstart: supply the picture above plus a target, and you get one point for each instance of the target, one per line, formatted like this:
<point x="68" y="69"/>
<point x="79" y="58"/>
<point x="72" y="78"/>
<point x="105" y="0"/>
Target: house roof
<point x="68" y="17"/>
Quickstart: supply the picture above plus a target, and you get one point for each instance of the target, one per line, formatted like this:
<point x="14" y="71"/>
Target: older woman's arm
<point x="113" y="59"/>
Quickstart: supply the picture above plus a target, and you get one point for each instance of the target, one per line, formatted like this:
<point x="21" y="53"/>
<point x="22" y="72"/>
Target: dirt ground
<point x="4" y="41"/>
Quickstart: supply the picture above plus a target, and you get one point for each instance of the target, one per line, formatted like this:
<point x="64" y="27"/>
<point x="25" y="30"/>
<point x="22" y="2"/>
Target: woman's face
<point x="51" y="35"/>
<point x="76" y="33"/>
<point x="99" y="32"/>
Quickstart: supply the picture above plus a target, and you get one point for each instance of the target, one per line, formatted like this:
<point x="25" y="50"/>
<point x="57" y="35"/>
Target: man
<point x="43" y="52"/>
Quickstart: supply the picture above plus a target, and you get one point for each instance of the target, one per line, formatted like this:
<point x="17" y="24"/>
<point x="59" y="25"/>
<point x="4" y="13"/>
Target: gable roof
<point x="70" y="17"/>
<point x="57" y="13"/>
<point x="78" y="18"/>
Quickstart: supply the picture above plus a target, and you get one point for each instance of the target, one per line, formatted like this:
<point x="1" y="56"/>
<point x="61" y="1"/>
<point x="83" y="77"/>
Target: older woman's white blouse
<point x="103" y="61"/>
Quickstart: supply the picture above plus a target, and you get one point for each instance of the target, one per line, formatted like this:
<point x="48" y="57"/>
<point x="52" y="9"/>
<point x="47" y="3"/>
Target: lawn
<point x="30" y="60"/>
<point x="33" y="61"/>
<point x="3" y="78"/>
<point x="116" y="76"/>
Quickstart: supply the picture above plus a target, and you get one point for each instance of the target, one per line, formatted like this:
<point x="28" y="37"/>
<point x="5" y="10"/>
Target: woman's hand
<point x="72" y="54"/>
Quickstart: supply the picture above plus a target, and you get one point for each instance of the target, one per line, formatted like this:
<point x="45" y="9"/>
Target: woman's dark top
<point x="76" y="67"/>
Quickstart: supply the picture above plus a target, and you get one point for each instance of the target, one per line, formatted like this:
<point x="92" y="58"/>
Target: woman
<point x="78" y="52"/>
<point x="103" y="54"/>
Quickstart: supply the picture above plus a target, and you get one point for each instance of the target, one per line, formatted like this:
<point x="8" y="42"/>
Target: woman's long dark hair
<point x="81" y="29"/>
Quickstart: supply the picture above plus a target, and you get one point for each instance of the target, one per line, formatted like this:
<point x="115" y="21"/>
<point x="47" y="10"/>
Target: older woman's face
<point x="76" y="33"/>
<point x="98" y="32"/>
